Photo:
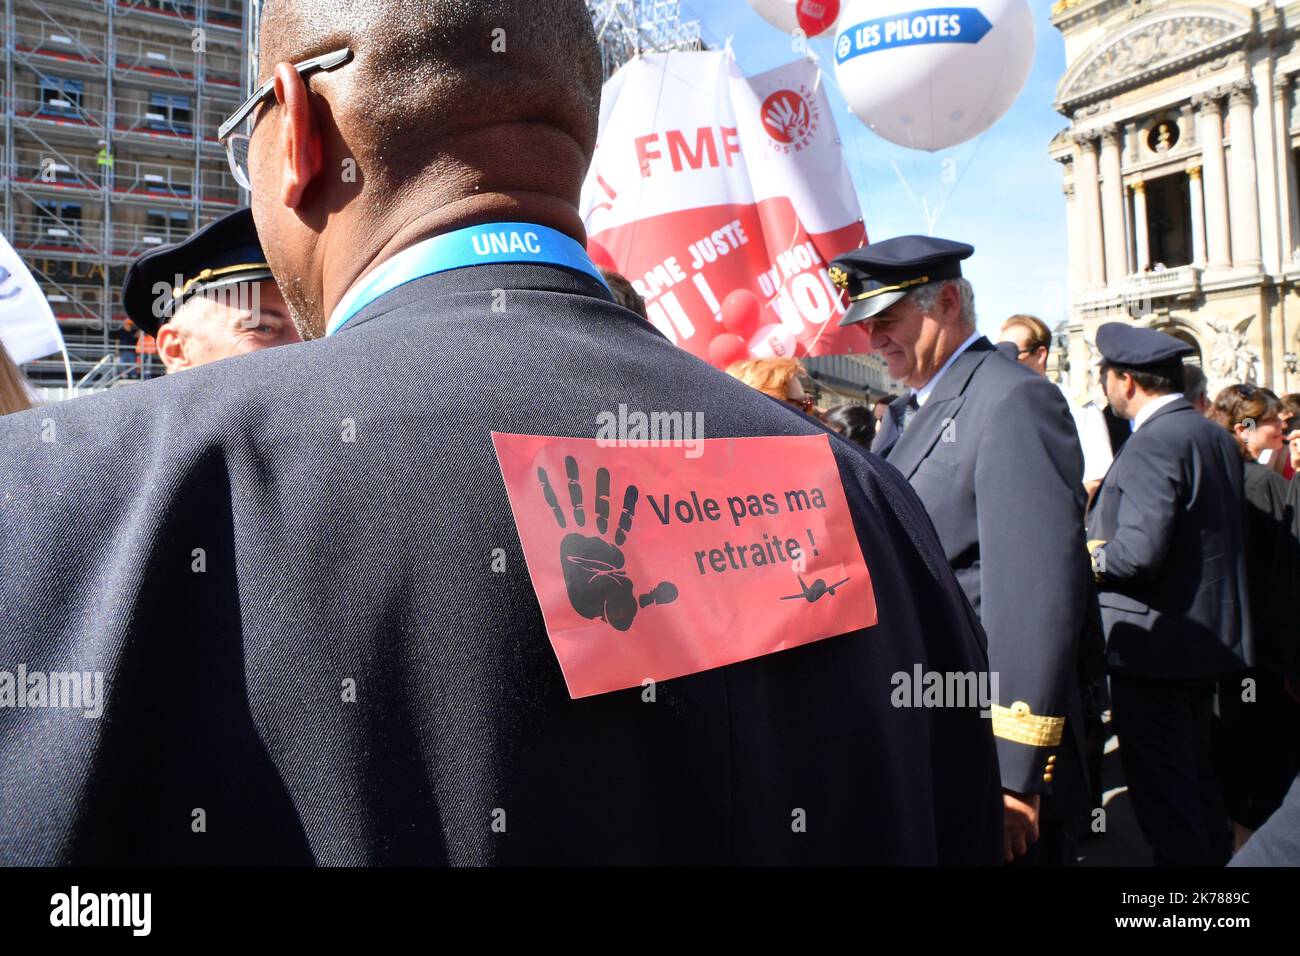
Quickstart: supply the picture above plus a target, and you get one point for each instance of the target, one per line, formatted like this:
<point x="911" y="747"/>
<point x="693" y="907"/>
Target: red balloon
<point x="741" y="311"/>
<point x="600" y="255"/>
<point x="727" y="348"/>
<point x="817" y="16"/>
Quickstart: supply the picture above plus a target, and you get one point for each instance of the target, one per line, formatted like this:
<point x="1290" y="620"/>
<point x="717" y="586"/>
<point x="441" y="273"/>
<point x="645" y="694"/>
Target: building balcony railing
<point x="1136" y="294"/>
<point x="53" y="236"/>
<point x="55" y="42"/>
<point x="140" y="121"/>
<point x="183" y="14"/>
<point x="1179" y="282"/>
<point x="85" y="50"/>
<point x="130" y="180"/>
<point x="223" y="14"/>
<point x="221" y="71"/>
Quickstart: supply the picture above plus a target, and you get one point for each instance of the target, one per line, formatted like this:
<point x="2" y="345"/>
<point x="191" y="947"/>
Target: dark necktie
<point x="910" y="409"/>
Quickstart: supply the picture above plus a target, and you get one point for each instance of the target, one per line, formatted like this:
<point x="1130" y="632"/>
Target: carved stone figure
<point x="1232" y="360"/>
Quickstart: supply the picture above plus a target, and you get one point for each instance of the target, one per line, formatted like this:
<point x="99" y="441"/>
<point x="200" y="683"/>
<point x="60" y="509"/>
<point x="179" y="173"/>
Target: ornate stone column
<point x="1088" y="190"/>
<point x="1271" y="211"/>
<point x="1198" y="215"/>
<point x="1112" y="207"/>
<point x="1077" y="242"/>
<point x="1140" y="234"/>
<point x="1288" y="194"/>
<point x="1210" y="135"/>
<point x="1244" y="190"/>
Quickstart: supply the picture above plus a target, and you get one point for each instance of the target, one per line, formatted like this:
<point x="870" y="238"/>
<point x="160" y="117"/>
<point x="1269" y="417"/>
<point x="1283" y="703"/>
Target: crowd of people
<point x="1254" y="743"/>
<point x="295" y="565"/>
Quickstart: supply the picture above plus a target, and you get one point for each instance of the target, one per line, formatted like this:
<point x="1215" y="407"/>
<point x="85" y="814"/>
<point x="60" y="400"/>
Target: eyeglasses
<point x="237" y="143"/>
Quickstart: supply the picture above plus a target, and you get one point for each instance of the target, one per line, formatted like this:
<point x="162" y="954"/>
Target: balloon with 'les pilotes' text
<point x="930" y="77"/>
<point x="813" y="17"/>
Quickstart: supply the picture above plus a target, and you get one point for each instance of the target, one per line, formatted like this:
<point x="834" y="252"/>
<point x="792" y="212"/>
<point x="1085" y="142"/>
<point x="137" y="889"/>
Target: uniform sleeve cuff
<point x="1019" y="725"/>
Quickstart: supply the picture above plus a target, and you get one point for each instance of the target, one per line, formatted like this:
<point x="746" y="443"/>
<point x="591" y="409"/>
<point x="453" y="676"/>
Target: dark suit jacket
<point x="1173" y="589"/>
<point x="995" y="458"/>
<point x="345" y="501"/>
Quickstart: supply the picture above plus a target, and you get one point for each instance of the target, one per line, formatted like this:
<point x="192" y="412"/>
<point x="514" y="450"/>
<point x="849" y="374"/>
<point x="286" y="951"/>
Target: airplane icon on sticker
<point x="818" y="590"/>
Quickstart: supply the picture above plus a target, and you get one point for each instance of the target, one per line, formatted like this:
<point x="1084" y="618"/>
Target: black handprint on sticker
<point x="598" y="586"/>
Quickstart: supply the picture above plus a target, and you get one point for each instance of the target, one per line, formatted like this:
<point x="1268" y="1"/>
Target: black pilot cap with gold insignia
<point x="878" y="275"/>
<point x="222" y="253"/>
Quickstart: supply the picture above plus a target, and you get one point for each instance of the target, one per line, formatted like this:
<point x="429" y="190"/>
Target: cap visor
<point x="866" y="308"/>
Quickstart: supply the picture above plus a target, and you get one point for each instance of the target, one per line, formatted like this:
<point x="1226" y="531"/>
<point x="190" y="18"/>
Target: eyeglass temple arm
<point x="326" y="61"/>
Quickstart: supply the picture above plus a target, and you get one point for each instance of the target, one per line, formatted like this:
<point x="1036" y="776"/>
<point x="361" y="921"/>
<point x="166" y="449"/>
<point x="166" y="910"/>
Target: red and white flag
<point x="706" y="182"/>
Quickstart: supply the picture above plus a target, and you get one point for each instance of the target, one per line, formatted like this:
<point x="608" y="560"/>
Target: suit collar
<point x="532" y="277"/>
<point x="929" y="388"/>
<point x="1178" y="404"/>
<point x="905" y="451"/>
<point x="953" y="382"/>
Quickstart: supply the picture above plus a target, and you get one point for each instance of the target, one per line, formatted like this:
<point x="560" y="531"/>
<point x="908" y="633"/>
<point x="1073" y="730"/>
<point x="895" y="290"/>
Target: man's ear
<point x="299" y="136"/>
<point x="171" y="348"/>
<point x="950" y="302"/>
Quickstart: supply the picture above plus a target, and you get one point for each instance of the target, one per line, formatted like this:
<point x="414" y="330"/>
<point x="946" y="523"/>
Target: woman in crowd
<point x="854" y="422"/>
<point x="1291" y="429"/>
<point x="1259" y="745"/>
<point x="777" y="377"/>
<point x="13" y="388"/>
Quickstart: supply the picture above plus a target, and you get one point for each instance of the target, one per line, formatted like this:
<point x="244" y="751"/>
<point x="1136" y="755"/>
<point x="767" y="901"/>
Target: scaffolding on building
<point x="628" y="28"/>
<point x="110" y="109"/>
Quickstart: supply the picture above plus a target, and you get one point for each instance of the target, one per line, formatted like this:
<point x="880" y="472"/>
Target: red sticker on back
<point x="650" y="564"/>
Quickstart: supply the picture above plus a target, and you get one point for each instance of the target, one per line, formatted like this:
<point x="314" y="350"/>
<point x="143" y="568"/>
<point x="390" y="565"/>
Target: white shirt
<point x="1094" y="438"/>
<point x="1153" y="406"/>
<point x="924" y="391"/>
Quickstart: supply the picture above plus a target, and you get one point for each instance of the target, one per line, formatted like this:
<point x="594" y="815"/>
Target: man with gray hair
<point x="991" y="450"/>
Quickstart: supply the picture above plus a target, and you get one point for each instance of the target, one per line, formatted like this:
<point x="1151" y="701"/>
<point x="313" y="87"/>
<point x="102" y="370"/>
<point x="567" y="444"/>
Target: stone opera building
<point x="1180" y="171"/>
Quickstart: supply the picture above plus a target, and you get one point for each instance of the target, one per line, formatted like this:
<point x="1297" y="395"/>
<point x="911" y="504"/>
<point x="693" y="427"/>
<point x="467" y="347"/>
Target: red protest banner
<point x="707" y="183"/>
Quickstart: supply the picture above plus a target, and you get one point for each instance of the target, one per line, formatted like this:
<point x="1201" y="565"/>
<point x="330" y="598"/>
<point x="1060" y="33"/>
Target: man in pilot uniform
<point x="992" y="451"/>
<point x="209" y="297"/>
<point x="1165" y="535"/>
<point x="362" y="672"/>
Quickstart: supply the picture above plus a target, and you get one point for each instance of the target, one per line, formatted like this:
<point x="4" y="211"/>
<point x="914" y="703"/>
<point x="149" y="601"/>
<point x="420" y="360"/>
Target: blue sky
<point x="1007" y="200"/>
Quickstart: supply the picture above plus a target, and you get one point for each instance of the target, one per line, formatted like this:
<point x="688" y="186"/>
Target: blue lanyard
<point x="475" y="245"/>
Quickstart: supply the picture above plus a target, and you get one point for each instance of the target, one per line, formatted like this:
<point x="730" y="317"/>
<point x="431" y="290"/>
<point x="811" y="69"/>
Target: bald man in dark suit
<point x="283" y="563"/>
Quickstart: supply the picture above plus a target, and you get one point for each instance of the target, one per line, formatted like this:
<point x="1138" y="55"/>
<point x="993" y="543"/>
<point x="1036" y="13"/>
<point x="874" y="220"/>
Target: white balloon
<point x="772" y="341"/>
<point x="911" y="74"/>
<point x="783" y="14"/>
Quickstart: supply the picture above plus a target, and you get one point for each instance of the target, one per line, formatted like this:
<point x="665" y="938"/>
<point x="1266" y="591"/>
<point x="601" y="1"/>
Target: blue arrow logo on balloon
<point x="937" y="25"/>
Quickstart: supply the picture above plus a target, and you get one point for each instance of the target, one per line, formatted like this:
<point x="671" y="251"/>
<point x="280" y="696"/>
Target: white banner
<point x="27" y="324"/>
